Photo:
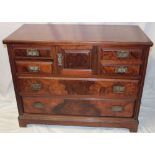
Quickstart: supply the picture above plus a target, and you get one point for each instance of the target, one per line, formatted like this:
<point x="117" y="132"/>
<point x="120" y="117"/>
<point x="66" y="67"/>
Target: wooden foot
<point x="22" y="124"/>
<point x="134" y="129"/>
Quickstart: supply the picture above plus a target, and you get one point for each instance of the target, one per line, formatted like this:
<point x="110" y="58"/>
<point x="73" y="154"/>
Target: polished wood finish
<point x="103" y="88"/>
<point x="35" y="67"/>
<point x="77" y="60"/>
<point x="113" y="54"/>
<point x="133" y="70"/>
<point x="81" y="34"/>
<point x="78" y="107"/>
<point x="90" y="75"/>
<point x="43" y="52"/>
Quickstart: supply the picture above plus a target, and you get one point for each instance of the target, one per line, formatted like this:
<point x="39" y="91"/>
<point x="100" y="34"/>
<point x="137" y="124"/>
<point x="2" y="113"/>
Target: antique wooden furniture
<point x="89" y="75"/>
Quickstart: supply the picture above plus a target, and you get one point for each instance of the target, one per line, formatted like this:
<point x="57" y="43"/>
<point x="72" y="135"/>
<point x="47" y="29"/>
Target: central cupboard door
<point x="76" y="60"/>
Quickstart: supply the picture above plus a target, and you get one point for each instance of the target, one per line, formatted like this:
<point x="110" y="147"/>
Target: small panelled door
<point x="77" y="60"/>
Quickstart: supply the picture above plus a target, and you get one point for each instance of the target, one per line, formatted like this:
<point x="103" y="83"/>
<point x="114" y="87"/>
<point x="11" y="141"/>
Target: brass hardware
<point x="118" y="89"/>
<point x="60" y="57"/>
<point x="38" y="105"/>
<point x="122" y="54"/>
<point x="32" y="52"/>
<point x="36" y="86"/>
<point x="33" y="68"/>
<point x="117" y="108"/>
<point x="121" y="69"/>
<point x="52" y="61"/>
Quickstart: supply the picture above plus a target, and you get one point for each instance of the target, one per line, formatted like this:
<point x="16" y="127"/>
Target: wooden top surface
<point x="66" y="34"/>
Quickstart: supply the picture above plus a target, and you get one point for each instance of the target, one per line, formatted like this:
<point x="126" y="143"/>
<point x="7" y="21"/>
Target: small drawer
<point x="132" y="70"/>
<point x="121" y="55"/>
<point x="81" y="107"/>
<point x="69" y="86"/>
<point x="35" y="67"/>
<point x="27" y="52"/>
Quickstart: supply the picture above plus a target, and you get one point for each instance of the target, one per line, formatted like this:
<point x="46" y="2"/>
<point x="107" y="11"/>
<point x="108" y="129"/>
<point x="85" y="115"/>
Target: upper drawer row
<point x="28" y="52"/>
<point x="85" y="60"/>
<point x="105" y="53"/>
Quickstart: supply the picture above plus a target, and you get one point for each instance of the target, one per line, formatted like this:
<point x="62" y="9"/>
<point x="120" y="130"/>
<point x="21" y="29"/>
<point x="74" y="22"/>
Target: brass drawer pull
<point x="36" y="86"/>
<point x="32" y="52"/>
<point x="117" y="108"/>
<point x="33" y="68"/>
<point x="118" y="89"/>
<point x="60" y="57"/>
<point x="38" y="105"/>
<point x="121" y="70"/>
<point x="122" y="54"/>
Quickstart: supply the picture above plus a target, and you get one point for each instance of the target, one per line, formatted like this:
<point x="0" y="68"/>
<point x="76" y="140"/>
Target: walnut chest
<point x="86" y="75"/>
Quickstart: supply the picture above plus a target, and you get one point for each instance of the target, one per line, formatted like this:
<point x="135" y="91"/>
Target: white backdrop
<point x="8" y="104"/>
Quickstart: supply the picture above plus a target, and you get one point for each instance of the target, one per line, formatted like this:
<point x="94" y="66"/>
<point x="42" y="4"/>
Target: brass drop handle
<point x="32" y="52"/>
<point x="60" y="58"/>
<point x="122" y="54"/>
<point x="33" y="68"/>
<point x="38" y="105"/>
<point x="118" y="89"/>
<point x="121" y="69"/>
<point x="117" y="108"/>
<point x="36" y="86"/>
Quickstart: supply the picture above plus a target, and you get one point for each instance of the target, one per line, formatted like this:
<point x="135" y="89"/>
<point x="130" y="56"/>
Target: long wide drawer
<point x="82" y="107"/>
<point x="109" y="88"/>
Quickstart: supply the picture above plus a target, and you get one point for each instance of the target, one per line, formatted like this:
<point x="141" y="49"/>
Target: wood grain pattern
<point x="78" y="87"/>
<point x="43" y="52"/>
<point x="84" y="89"/>
<point x="112" y="54"/>
<point x="77" y="59"/>
<point x="43" y="67"/>
<point x="79" y="107"/>
<point x="133" y="70"/>
<point x="129" y="123"/>
<point x="81" y="34"/>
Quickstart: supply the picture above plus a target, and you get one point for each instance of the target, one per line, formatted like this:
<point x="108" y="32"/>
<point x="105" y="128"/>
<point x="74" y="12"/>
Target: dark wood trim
<point x="129" y="123"/>
<point x="143" y="72"/>
<point x="14" y="78"/>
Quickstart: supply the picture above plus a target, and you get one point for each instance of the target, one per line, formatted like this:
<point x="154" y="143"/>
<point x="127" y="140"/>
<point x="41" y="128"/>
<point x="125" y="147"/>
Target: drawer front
<point x="118" y="54"/>
<point x="106" y="88"/>
<point x="81" y="107"/>
<point x="35" y="67"/>
<point x="34" y="52"/>
<point x="133" y="70"/>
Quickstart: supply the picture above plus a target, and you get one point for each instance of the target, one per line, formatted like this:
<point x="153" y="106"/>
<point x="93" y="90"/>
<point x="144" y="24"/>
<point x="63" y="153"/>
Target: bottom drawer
<point x="79" y="107"/>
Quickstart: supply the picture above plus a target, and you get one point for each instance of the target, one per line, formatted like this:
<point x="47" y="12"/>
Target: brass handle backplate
<point x="60" y="57"/>
<point x="33" y="68"/>
<point x="36" y="86"/>
<point x="122" y="54"/>
<point x="117" y="108"/>
<point x="38" y="105"/>
<point x="118" y="89"/>
<point x="32" y="52"/>
<point x="121" y="69"/>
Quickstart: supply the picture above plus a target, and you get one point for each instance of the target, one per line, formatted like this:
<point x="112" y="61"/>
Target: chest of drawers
<point x="86" y="75"/>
